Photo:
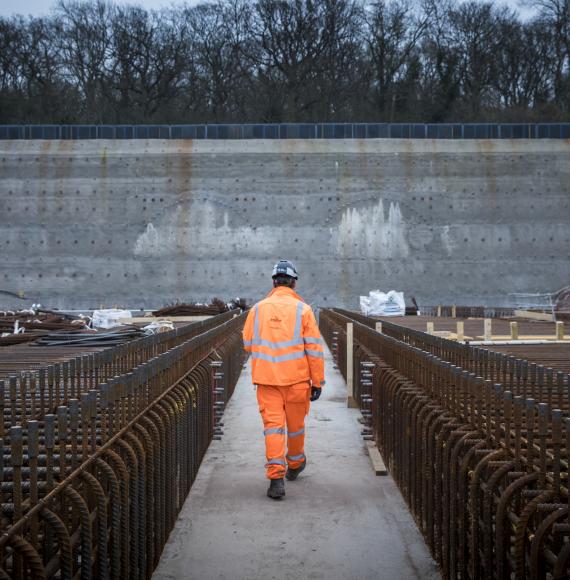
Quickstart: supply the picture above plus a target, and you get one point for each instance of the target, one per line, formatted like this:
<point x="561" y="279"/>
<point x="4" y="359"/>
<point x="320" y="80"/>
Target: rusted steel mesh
<point x="477" y="441"/>
<point x="99" y="453"/>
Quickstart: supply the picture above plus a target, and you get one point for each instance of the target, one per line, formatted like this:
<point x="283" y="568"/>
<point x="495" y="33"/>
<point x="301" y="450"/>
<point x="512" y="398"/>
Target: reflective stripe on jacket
<point x="284" y="340"/>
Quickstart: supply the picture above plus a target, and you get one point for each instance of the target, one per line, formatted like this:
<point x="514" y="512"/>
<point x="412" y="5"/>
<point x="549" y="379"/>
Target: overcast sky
<point x="41" y="7"/>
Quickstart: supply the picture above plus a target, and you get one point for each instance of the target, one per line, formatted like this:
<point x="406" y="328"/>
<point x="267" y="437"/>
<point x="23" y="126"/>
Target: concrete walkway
<point x="338" y="519"/>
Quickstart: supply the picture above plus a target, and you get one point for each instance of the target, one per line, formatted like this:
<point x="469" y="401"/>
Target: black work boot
<point x="292" y="474"/>
<point x="276" y="489"/>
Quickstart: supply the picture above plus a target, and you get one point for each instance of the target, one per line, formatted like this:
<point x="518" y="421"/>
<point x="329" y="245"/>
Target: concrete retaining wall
<point x="144" y="223"/>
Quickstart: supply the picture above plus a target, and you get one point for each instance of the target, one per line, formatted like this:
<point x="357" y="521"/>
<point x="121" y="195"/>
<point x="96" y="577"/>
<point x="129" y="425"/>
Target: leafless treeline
<point x="286" y="61"/>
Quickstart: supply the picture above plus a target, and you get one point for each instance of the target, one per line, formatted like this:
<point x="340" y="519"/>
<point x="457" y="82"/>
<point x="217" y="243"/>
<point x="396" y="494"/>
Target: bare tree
<point x="216" y="60"/>
<point x="286" y="61"/>
<point x="557" y="14"/>
<point x="30" y="71"/>
<point x="395" y="29"/>
<point x="526" y="63"/>
<point x="149" y="54"/>
<point x="83" y="39"/>
<point x="476" y="34"/>
<point x="300" y="45"/>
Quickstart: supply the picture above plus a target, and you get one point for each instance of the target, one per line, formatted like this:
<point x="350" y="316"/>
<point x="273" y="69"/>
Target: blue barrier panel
<point x="110" y="132"/>
<point x="271" y="131"/>
<point x="255" y="132"/>
<point x="125" y="132"/>
<point x="260" y="131"/>
<point x="179" y="132"/>
<point x="188" y="132"/>
<point x="399" y="131"/>
<point x="359" y="131"/>
<point x="12" y="132"/>
<point x="308" y="131"/>
<point x="293" y="131"/>
<point x="44" y="132"/>
<point x="220" y="131"/>
<point x="334" y="131"/>
<point x="247" y="131"/>
<point x="235" y="132"/>
<point x="434" y="131"/>
<point x="84" y="132"/>
<point x="419" y="131"/>
<point x="552" y="131"/>
<point x="225" y="132"/>
<point x="382" y="131"/>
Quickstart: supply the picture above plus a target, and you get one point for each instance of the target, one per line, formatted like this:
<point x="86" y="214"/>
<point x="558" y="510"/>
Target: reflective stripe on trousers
<point x="280" y="407"/>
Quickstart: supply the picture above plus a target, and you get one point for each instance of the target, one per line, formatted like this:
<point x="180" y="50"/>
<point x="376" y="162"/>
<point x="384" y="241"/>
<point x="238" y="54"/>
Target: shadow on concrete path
<point x="338" y="521"/>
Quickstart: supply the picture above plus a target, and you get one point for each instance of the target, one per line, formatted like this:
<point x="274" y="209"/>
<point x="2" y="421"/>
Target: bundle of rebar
<point x="17" y="327"/>
<point x="477" y="441"/>
<point x="99" y="452"/>
<point x="216" y="306"/>
<point x="107" y="338"/>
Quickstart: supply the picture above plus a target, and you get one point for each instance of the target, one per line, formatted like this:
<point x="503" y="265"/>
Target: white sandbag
<point x="379" y="303"/>
<point x="109" y="318"/>
<point x="158" y="327"/>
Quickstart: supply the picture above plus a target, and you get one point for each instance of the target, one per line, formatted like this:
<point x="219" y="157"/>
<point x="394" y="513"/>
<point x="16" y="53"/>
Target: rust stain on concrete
<point x="487" y="148"/>
<point x="184" y="193"/>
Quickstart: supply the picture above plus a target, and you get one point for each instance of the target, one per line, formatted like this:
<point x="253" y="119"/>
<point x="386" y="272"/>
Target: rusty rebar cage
<point x="96" y="463"/>
<point x="477" y="443"/>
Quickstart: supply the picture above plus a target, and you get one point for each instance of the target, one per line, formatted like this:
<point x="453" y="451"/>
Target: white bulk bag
<point x="379" y="303"/>
<point x="109" y="318"/>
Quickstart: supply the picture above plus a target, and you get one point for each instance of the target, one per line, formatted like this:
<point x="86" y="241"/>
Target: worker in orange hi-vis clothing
<point x="286" y="348"/>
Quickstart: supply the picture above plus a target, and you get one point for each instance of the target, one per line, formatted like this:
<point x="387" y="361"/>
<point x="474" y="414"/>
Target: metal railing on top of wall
<point x="293" y="131"/>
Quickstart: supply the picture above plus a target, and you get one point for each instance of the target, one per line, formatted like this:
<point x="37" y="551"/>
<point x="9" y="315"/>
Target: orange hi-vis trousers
<point x="283" y="410"/>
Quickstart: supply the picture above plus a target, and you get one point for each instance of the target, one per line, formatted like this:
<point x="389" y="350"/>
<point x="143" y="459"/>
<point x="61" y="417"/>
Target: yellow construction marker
<point x="488" y="329"/>
<point x="460" y="331"/>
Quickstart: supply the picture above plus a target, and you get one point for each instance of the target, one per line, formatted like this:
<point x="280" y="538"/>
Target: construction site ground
<point x="338" y="520"/>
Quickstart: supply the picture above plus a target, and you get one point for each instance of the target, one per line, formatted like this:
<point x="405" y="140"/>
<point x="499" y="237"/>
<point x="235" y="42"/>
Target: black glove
<point x="315" y="393"/>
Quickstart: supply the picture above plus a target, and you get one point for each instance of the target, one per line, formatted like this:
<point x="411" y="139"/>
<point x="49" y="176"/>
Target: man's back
<point x="284" y="340"/>
<point x="280" y="317"/>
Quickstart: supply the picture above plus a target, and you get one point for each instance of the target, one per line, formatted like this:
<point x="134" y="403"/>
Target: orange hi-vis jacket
<point x="284" y="340"/>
